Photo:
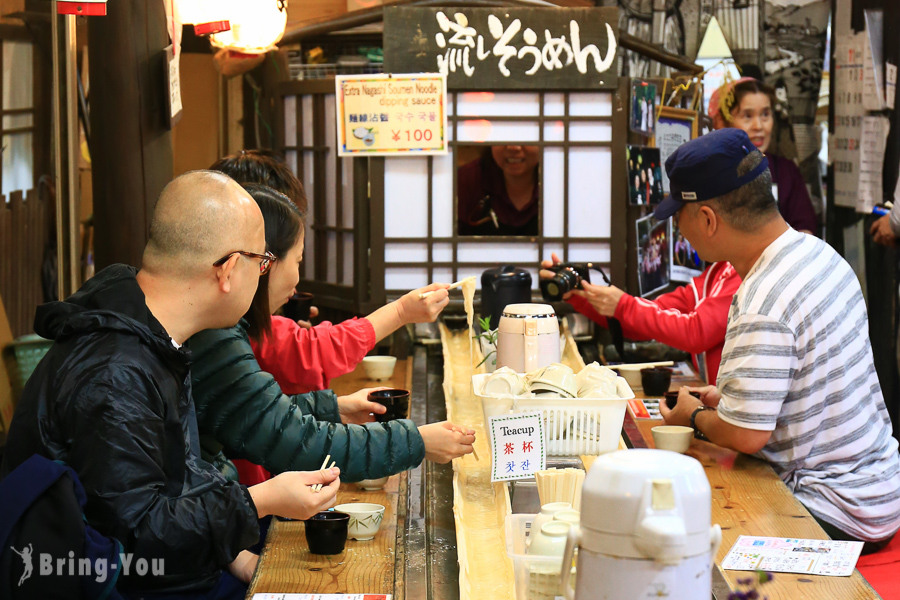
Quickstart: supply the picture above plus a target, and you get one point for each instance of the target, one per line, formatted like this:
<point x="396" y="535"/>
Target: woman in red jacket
<point x="692" y="318"/>
<point x="306" y="359"/>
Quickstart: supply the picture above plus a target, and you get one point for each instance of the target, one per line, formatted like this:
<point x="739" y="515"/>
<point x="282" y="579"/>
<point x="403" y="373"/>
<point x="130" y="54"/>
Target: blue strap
<point x="21" y="488"/>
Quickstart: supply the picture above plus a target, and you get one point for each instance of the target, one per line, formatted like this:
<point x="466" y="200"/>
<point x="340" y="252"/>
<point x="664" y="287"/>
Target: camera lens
<point x="564" y="281"/>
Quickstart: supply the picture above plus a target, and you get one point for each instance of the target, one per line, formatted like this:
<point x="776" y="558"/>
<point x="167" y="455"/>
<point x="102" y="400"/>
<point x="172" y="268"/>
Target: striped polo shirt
<point x="797" y="361"/>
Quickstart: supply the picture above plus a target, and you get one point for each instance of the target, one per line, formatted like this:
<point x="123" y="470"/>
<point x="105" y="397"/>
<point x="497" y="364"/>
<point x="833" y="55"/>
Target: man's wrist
<point x="697" y="433"/>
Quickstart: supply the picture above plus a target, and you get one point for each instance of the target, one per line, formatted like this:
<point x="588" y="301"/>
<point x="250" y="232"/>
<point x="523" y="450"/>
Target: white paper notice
<point x="871" y="162"/>
<point x="786" y="555"/>
<point x="321" y="597"/>
<point x="890" y="85"/>
<point x="518" y="446"/>
<point x="848" y="111"/>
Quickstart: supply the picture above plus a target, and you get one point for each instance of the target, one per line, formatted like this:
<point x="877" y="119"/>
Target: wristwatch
<point x="697" y="433"/>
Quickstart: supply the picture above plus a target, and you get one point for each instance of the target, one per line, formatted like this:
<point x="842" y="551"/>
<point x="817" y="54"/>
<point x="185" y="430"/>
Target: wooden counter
<point x="748" y="498"/>
<point x="287" y="566"/>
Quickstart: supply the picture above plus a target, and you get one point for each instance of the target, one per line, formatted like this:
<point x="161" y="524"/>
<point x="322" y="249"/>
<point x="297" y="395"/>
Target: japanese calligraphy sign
<point x="391" y="115"/>
<point x="517" y="449"/>
<point x="505" y="47"/>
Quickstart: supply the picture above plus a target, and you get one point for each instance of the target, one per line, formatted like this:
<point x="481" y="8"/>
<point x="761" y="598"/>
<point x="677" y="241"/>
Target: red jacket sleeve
<point x="675" y="319"/>
<point x="680" y="299"/>
<point x="302" y="360"/>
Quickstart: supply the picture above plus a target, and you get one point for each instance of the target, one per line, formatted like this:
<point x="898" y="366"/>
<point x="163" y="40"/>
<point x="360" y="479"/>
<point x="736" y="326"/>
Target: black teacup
<point x="297" y="308"/>
<point x="656" y="381"/>
<point x="672" y="398"/>
<point x="326" y="532"/>
<point x="396" y="402"/>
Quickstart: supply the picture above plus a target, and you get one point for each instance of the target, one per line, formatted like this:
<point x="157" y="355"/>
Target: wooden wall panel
<point x="24" y="233"/>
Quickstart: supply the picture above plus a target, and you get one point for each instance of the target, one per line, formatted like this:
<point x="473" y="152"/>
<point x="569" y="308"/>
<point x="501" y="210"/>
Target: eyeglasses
<point x="265" y="260"/>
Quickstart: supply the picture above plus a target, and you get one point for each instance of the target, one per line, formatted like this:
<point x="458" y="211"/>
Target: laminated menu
<point x="789" y="555"/>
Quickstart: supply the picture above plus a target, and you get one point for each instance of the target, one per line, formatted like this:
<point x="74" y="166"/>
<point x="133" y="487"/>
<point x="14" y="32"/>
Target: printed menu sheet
<point x="321" y="597"/>
<point x="786" y="555"/>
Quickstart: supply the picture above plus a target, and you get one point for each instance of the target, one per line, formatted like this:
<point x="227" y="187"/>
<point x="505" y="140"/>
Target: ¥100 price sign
<point x="391" y="115"/>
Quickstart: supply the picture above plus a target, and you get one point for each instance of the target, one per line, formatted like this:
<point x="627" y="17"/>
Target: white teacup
<point x="365" y="519"/>
<point x="379" y="368"/>
<point x="504" y="382"/>
<point x="546" y="515"/>
<point x="599" y="390"/>
<point x="572" y="517"/>
<point x="551" y="539"/>
<point x="559" y="376"/>
<point x="594" y="372"/>
<point x="672" y="437"/>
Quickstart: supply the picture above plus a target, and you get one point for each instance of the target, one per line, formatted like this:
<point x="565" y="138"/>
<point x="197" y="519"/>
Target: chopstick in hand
<point x="452" y="286"/>
<point x="318" y="486"/>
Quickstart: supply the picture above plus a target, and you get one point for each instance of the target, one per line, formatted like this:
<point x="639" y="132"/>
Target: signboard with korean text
<point x="517" y="449"/>
<point x="505" y="47"/>
<point x="391" y="115"/>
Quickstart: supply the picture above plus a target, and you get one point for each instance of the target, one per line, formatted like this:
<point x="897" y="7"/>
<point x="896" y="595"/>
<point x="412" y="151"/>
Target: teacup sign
<point x="518" y="449"/>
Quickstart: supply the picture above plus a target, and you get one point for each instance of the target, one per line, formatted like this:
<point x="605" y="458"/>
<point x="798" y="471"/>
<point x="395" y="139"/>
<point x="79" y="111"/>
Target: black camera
<point x="567" y="277"/>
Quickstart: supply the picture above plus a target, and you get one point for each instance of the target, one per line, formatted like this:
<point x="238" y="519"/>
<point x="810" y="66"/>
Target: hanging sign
<point x="517" y="448"/>
<point x="391" y="115"/>
<point x="83" y="8"/>
<point x="505" y="47"/>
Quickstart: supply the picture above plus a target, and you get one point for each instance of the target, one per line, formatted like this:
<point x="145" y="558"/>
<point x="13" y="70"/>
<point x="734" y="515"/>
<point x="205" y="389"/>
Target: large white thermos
<point x="645" y="530"/>
<point x="528" y="337"/>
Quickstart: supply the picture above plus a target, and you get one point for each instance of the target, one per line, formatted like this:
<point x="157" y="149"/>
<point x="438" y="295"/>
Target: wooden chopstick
<point x="318" y="486"/>
<point x="452" y="286"/>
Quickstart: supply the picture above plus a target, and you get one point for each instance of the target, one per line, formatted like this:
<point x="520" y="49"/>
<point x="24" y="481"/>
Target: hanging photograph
<point x="653" y="254"/>
<point x="686" y="263"/>
<point x="643" y="107"/>
<point x="675" y="126"/>
<point x="644" y="175"/>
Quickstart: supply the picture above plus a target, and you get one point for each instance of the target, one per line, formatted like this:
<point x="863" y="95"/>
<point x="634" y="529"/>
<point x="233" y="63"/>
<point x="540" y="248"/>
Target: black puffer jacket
<point x="242" y="408"/>
<point x="112" y="399"/>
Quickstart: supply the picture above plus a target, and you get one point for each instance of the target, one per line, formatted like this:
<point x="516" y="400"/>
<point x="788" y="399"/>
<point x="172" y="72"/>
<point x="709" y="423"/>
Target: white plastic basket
<point x="536" y="577"/>
<point x="573" y="426"/>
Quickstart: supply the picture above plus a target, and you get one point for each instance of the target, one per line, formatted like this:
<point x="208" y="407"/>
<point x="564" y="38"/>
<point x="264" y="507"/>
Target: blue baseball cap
<point x="706" y="168"/>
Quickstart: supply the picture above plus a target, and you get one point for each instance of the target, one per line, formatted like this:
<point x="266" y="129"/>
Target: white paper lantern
<point x="256" y="26"/>
<point x="207" y="16"/>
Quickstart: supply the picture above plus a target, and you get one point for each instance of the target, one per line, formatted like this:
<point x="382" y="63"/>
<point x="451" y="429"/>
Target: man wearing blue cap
<point x="797" y="383"/>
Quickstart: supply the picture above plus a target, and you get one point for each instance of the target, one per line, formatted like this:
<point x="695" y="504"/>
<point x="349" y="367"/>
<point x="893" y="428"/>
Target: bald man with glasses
<point x="112" y="398"/>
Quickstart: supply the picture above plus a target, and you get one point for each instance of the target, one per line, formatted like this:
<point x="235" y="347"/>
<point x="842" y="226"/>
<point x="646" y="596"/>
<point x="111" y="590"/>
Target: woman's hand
<point x="603" y="298"/>
<point x="356" y="409"/>
<point x="290" y="494"/>
<point x="445" y="441"/>
<point x="413" y="309"/>
<point x="244" y="566"/>
<point x="313" y="313"/>
<point x="882" y="232"/>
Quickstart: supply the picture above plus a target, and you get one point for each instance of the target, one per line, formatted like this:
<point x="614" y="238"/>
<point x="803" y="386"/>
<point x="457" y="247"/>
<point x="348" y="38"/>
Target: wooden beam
<point x="131" y="143"/>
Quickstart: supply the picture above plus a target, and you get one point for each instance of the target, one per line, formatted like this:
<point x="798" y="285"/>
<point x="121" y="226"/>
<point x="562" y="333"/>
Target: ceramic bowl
<point x="379" y="368"/>
<point x="631" y="375"/>
<point x="504" y="382"/>
<point x="672" y="437"/>
<point x="326" y="532"/>
<point x="365" y="519"/>
<point x="551" y="539"/>
<point x="672" y="398"/>
<point x="372" y="485"/>
<point x="656" y="380"/>
<point x="396" y="402"/>
<point x="557" y="376"/>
